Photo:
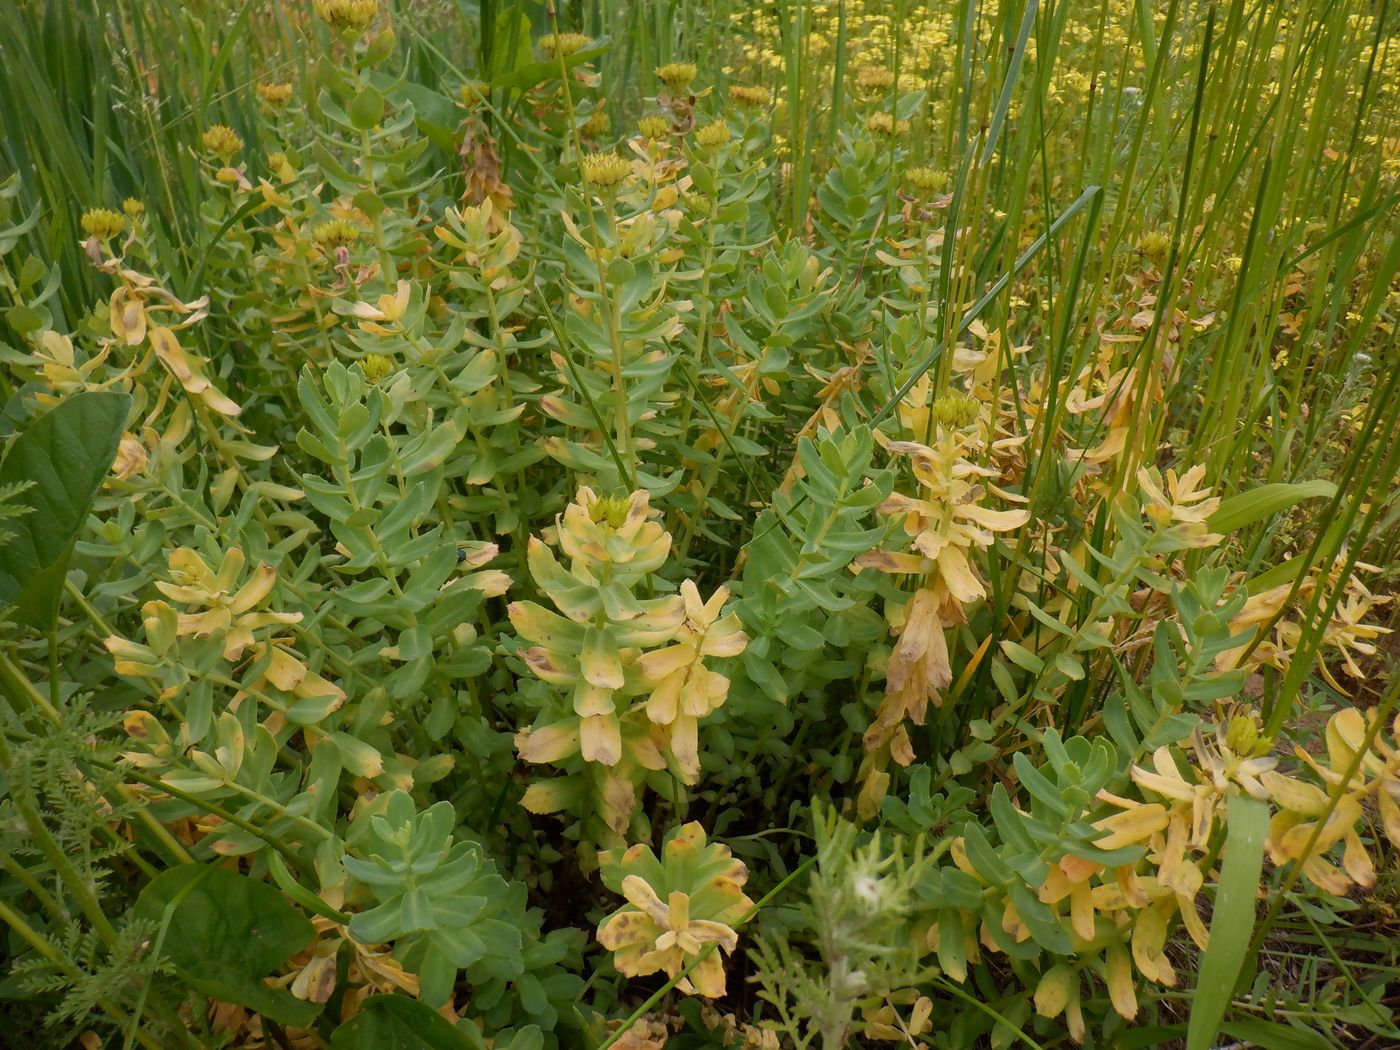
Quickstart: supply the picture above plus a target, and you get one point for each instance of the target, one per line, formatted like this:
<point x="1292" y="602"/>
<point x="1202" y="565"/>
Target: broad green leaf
<point x="1276" y="1036"/>
<point x="65" y="453"/>
<point x="367" y="109"/>
<point x="396" y="1022"/>
<point x="1264" y="501"/>
<point x="1284" y="572"/>
<point x="1247" y="822"/>
<point x="226" y="933"/>
<point x="1022" y="657"/>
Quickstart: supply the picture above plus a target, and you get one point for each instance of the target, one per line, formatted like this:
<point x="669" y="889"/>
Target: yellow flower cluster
<point x="677" y="76"/>
<point x="275" y="95"/>
<point x="228" y="605"/>
<point x="713" y="135"/>
<point x="1347" y="634"/>
<point x="947" y="524"/>
<point x="632" y="670"/>
<point x="677" y="908"/>
<point x="103" y="223"/>
<point x="222" y="141"/>
<point x="347" y="16"/>
<point x="335" y="233"/>
<point x="604" y="170"/>
<point x="562" y="45"/>
<point x="654" y="127"/>
<point x="748" y="96"/>
<point x="1181" y="832"/>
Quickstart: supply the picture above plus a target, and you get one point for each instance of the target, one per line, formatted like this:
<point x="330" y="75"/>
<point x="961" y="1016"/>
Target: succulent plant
<point x="677" y="907"/>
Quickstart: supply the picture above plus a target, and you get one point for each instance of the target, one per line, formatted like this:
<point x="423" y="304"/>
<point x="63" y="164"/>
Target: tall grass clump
<point x="583" y="524"/>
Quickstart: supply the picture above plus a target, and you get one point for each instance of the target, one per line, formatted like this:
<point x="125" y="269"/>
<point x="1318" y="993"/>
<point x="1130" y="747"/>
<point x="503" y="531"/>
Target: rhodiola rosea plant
<point x="576" y="526"/>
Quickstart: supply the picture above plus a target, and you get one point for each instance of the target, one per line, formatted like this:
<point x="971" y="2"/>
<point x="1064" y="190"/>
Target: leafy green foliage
<point x="61" y="459"/>
<point x="427" y="886"/>
<point x="395" y="1022"/>
<point x="224" y="933"/>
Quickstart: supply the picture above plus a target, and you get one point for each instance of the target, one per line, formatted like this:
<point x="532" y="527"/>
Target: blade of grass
<point x="1247" y="821"/>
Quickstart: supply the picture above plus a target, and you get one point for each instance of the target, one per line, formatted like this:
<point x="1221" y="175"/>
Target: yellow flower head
<point x="618" y="530"/>
<point x="609" y="510"/>
<point x="376" y="366"/>
<point x="676" y="75"/>
<point x="680" y="908"/>
<point x="749" y="97"/>
<point x="275" y="95"/>
<point x="1244" y="736"/>
<point x="604" y="170"/>
<point x="713" y="135"/>
<point x="654" y="128"/>
<point x="222" y="141"/>
<point x="474" y="93"/>
<point x="872" y="80"/>
<point x="955" y="411"/>
<point x="596" y="125"/>
<point x="102" y="223"/>
<point x="926" y="180"/>
<point x="133" y="208"/>
<point x="347" y="16"/>
<point x="1155" y="244"/>
<point x="337" y="233"/>
<point x="562" y="45"/>
<point x="884" y="125"/>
